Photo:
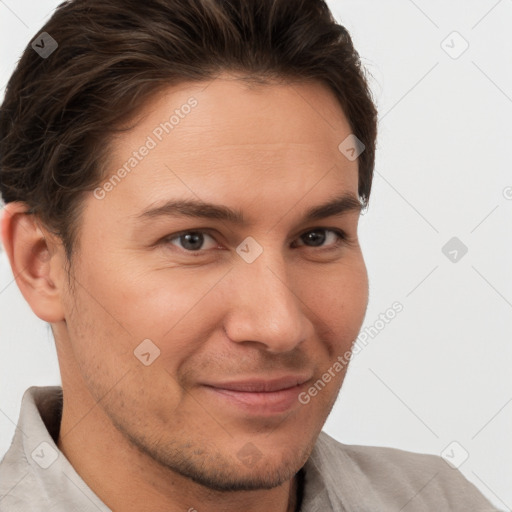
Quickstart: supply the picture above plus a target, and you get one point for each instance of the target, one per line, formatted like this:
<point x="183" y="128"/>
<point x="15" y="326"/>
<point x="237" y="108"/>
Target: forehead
<point x="228" y="112"/>
<point x="224" y="141"/>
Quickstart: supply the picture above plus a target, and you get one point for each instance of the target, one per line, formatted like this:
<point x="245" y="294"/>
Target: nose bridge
<point x="265" y="308"/>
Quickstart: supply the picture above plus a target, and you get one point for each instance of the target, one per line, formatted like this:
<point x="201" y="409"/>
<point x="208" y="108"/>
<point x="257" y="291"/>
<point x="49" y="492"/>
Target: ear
<point x="36" y="261"/>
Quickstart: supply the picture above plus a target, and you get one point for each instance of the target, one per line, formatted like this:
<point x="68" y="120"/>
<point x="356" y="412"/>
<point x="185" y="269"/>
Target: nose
<point x="264" y="307"/>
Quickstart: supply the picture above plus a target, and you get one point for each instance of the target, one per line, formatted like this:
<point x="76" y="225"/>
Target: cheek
<point x="170" y="307"/>
<point x="338" y="298"/>
<point x="141" y="302"/>
<point x="103" y="344"/>
<point x="355" y="295"/>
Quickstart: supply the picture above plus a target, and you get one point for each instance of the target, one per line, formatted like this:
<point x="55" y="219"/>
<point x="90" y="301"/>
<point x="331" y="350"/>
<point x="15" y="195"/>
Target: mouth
<point x="260" y="397"/>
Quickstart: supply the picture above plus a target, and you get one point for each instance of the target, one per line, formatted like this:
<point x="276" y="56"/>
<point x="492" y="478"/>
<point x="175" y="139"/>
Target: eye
<point x="317" y="237"/>
<point x="192" y="241"/>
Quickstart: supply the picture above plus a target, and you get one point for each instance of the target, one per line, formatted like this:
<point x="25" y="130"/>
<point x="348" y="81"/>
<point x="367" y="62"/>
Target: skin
<point x="148" y="438"/>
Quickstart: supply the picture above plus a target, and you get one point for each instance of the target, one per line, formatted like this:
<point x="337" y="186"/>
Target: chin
<point x="229" y="468"/>
<point x="222" y="475"/>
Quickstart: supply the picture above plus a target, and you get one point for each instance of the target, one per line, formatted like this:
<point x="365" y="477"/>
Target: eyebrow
<point x="340" y="205"/>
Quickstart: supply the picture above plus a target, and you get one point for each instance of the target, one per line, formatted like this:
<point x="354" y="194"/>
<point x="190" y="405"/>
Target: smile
<point x="259" y="397"/>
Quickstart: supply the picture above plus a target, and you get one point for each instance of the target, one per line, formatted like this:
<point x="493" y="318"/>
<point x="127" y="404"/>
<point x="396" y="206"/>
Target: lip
<point x="260" y="396"/>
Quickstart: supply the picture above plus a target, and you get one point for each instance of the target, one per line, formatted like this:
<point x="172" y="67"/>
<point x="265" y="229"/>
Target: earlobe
<point x="34" y="261"/>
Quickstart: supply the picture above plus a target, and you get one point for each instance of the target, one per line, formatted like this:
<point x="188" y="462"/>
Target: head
<point x="156" y="303"/>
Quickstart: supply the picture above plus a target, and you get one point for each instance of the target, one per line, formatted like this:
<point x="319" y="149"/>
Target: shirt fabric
<point x="36" y="476"/>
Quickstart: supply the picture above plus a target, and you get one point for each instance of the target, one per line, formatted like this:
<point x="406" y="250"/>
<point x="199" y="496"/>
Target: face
<point x="242" y="313"/>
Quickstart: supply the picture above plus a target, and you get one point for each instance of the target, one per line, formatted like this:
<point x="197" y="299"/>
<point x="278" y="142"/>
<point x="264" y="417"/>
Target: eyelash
<point x="340" y="234"/>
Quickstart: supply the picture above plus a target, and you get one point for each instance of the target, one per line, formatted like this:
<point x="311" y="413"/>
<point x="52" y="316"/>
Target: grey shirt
<point x="36" y="476"/>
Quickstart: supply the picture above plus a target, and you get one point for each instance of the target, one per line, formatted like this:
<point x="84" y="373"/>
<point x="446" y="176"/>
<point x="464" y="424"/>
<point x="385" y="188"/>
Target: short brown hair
<point x="59" y="111"/>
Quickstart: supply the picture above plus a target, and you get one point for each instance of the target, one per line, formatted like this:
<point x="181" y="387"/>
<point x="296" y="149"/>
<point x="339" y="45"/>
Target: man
<point x="183" y="181"/>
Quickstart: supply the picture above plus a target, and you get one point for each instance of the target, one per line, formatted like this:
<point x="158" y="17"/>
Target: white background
<point x="440" y="371"/>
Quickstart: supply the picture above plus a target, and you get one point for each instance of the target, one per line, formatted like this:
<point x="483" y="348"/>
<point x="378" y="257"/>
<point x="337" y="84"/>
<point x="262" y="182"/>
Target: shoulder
<point x="393" y="477"/>
<point x="34" y="474"/>
<point x="17" y="482"/>
<point x="374" y="459"/>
